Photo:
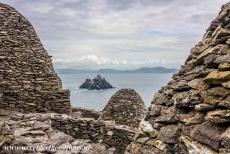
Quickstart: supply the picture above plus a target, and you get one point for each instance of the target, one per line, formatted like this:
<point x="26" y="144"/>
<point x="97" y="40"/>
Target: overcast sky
<point x="118" y="33"/>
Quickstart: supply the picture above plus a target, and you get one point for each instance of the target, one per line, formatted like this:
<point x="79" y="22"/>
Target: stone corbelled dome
<point x="28" y="82"/>
<point x="191" y="114"/>
<point x="125" y="108"/>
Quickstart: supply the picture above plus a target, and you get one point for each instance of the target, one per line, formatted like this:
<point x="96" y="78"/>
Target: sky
<point x="120" y="34"/>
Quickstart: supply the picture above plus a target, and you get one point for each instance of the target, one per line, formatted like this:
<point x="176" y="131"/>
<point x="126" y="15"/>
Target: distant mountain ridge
<point x="140" y="70"/>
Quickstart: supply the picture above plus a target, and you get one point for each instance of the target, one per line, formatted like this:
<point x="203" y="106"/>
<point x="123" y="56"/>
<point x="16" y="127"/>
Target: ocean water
<point x="146" y="84"/>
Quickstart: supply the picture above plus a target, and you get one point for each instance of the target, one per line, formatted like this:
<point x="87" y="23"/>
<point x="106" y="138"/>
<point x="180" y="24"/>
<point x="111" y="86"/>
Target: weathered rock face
<point x="28" y="82"/>
<point x="96" y="84"/>
<point x="125" y="108"/>
<point x="191" y="114"/>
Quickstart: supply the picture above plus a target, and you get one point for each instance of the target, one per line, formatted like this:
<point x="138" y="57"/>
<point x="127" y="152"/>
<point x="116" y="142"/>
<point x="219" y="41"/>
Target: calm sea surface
<point x="146" y="84"/>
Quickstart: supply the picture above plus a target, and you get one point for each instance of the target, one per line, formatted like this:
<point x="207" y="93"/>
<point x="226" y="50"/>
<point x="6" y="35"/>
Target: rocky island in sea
<point x="97" y="83"/>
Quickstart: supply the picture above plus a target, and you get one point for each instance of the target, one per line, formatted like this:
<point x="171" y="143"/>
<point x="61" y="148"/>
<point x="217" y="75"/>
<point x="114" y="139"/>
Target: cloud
<point x="92" y="59"/>
<point x="112" y="33"/>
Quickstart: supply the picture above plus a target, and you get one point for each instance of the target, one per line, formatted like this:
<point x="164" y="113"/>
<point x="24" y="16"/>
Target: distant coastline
<point x="140" y="70"/>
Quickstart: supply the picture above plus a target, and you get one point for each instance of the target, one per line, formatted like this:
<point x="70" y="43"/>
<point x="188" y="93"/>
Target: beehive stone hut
<point x="191" y="114"/>
<point x="28" y="82"/>
<point x="125" y="108"/>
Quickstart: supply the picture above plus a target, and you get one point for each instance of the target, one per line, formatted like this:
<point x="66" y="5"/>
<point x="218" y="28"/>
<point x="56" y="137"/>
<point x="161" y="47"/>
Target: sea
<point x="146" y="84"/>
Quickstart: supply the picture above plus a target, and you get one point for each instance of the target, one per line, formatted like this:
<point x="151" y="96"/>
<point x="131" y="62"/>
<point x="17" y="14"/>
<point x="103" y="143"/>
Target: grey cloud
<point x="134" y="30"/>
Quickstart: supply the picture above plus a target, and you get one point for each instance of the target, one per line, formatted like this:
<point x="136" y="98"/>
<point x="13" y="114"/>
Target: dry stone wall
<point x="28" y="82"/>
<point x="85" y="113"/>
<point x="125" y="107"/>
<point x="191" y="114"/>
<point x="97" y="131"/>
<point x="55" y="133"/>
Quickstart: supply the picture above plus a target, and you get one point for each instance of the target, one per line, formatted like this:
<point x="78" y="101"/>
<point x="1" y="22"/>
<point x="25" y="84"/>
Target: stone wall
<point x="125" y="108"/>
<point x="54" y="130"/>
<point x="28" y="82"/>
<point x="85" y="113"/>
<point x="191" y="114"/>
<point x="97" y="131"/>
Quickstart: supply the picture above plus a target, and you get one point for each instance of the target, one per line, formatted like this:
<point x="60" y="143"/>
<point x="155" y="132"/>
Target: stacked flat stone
<point x="96" y="131"/>
<point x="60" y="131"/>
<point x="125" y="107"/>
<point x="191" y="114"/>
<point x="28" y="82"/>
<point x="85" y="113"/>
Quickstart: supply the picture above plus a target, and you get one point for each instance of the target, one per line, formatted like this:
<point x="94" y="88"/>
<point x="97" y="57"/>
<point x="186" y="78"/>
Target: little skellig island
<point x="97" y="83"/>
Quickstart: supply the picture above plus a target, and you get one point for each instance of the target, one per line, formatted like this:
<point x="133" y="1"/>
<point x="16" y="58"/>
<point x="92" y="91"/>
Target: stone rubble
<point x="191" y="114"/>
